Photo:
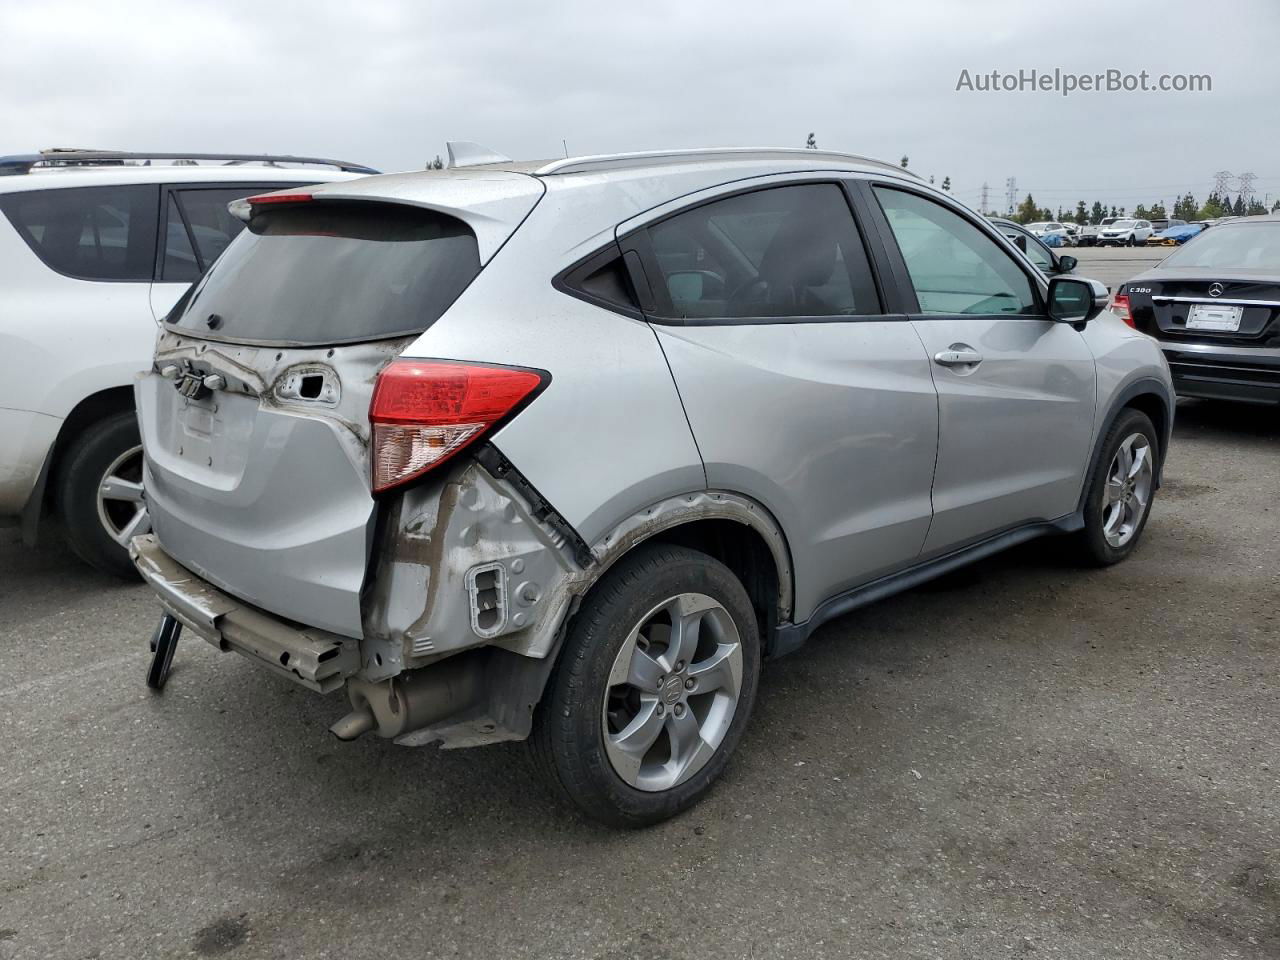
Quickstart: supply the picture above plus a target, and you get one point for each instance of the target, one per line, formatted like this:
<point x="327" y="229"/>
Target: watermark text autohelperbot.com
<point x="1065" y="83"/>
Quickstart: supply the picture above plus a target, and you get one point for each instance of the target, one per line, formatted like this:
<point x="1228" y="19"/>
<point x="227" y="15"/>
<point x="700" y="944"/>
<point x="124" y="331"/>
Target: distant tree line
<point x="1184" y="208"/>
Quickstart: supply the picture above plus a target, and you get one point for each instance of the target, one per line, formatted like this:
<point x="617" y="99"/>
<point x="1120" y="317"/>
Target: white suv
<point x="95" y="248"/>
<point x="1126" y="232"/>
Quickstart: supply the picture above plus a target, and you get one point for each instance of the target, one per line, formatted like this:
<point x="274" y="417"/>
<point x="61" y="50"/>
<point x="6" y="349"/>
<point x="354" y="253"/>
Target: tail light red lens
<point x="1120" y="305"/>
<point x="425" y="411"/>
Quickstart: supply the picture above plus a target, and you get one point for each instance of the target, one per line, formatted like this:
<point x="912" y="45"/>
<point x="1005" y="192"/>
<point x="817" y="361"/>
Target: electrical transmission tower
<point x="1246" y="185"/>
<point x="1222" y="182"/>
<point x="1011" y="193"/>
<point x="984" y="208"/>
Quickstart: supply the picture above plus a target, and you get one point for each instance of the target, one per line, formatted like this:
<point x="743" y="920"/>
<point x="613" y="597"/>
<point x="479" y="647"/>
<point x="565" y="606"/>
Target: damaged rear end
<point x="314" y="495"/>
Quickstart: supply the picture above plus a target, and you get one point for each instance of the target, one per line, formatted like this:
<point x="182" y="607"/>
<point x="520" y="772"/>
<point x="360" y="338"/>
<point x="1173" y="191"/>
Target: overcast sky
<point x="386" y="82"/>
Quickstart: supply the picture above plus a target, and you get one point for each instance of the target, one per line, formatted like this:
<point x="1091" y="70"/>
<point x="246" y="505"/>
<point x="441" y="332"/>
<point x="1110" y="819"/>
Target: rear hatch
<point x="255" y="415"/>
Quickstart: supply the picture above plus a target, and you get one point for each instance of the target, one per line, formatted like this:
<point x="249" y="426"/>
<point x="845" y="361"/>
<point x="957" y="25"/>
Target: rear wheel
<point x="100" y="493"/>
<point x="1121" y="490"/>
<point x="652" y="690"/>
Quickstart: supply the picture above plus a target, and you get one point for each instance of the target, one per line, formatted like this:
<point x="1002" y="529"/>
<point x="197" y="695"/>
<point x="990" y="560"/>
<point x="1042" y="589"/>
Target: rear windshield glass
<point x="1244" y="245"/>
<point x="327" y="272"/>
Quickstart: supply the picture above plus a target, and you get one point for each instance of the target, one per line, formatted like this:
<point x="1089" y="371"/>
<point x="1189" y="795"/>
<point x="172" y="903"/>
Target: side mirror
<point x="1067" y="263"/>
<point x="1076" y="300"/>
<point x="1021" y="242"/>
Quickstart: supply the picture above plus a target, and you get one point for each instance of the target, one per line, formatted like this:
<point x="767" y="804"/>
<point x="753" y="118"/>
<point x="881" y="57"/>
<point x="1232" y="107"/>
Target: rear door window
<point x="200" y="215"/>
<point x="333" y="272"/>
<point x="783" y="252"/>
<point x="90" y="233"/>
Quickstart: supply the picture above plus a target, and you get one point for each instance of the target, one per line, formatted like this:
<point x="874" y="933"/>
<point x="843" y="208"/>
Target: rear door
<point x="802" y="391"/>
<point x="255" y="416"/>
<point x="1016" y="390"/>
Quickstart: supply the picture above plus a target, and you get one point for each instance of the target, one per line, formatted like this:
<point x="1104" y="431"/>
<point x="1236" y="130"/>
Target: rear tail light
<point x="1120" y="306"/>
<point x="425" y="411"/>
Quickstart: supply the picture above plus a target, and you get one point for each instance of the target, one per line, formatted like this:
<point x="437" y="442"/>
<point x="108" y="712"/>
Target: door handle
<point x="958" y="358"/>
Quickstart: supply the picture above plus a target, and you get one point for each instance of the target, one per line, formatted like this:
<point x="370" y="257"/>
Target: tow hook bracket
<point x="163" y="642"/>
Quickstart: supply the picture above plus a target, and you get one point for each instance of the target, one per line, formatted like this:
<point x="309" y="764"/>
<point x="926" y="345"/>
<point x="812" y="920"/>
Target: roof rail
<point x="656" y="157"/>
<point x="58" y="157"/>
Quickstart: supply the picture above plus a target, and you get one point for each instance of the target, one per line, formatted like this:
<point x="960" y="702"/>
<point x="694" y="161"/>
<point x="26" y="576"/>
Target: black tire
<point x="1092" y="545"/>
<point x="1131" y="241"/>
<point x="567" y="742"/>
<point x="83" y="469"/>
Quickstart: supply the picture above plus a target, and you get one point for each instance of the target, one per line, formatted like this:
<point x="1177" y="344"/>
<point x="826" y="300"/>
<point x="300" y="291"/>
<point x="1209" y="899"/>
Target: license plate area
<point x="1212" y="316"/>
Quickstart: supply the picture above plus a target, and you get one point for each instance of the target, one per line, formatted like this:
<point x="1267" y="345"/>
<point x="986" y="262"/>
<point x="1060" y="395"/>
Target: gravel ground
<point x="1021" y="760"/>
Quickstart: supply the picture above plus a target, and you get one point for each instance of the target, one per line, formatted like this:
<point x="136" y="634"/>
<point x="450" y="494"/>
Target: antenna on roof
<point x="566" y="148"/>
<point x="466" y="153"/>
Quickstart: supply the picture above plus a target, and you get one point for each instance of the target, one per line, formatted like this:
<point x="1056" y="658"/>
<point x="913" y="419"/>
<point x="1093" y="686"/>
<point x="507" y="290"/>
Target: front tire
<point x="1121" y="490"/>
<point x="99" y="494"/>
<point x="1131" y="241"/>
<point x="653" y="688"/>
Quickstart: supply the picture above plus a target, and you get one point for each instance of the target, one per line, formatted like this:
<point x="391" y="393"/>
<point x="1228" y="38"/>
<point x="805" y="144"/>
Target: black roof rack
<point x="22" y="163"/>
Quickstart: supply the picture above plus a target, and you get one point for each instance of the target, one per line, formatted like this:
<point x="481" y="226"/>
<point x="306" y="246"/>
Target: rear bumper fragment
<point x="316" y="659"/>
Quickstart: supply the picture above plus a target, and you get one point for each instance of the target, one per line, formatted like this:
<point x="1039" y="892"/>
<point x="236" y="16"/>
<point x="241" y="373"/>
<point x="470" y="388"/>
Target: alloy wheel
<point x="1127" y="492"/>
<point x="121" y="506"/>
<point x="672" y="692"/>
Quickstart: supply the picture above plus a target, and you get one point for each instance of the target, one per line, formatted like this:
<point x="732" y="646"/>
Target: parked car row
<point x="1054" y="233"/>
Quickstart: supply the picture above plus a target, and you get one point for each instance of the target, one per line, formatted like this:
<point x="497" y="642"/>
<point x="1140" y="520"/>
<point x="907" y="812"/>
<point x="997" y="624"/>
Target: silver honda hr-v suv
<point x="561" y="451"/>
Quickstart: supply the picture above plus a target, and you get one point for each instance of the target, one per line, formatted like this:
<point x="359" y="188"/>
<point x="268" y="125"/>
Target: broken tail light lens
<point x="425" y="411"/>
<point x="1120" y="306"/>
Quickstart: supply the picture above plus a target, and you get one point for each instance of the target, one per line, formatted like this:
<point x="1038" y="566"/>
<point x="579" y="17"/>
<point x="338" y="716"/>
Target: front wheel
<point x="1131" y="241"/>
<point x="99" y="494"/>
<point x="1121" y="489"/>
<point x="652" y="690"/>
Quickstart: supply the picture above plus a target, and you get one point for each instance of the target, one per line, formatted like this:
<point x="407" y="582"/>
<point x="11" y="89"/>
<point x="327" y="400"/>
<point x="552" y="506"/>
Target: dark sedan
<point x="1214" y="305"/>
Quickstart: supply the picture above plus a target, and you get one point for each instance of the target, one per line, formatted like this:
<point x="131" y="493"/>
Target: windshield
<point x="1123" y="223"/>
<point x="1254" y="246"/>
<point x="332" y="272"/>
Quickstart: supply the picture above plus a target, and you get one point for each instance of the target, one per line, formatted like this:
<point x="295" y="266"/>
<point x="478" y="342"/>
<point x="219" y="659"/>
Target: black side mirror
<point x="1021" y="241"/>
<point x="1067" y="263"/>
<point x="1076" y="300"/>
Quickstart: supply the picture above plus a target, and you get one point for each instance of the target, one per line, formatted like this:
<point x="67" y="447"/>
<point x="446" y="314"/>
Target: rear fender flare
<point x="672" y="512"/>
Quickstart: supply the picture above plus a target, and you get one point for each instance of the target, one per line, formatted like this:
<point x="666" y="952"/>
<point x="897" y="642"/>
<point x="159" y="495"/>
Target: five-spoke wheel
<point x="99" y="492"/>
<point x="1121" y="489"/>
<point x="652" y="689"/>
<point x="673" y="691"/>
